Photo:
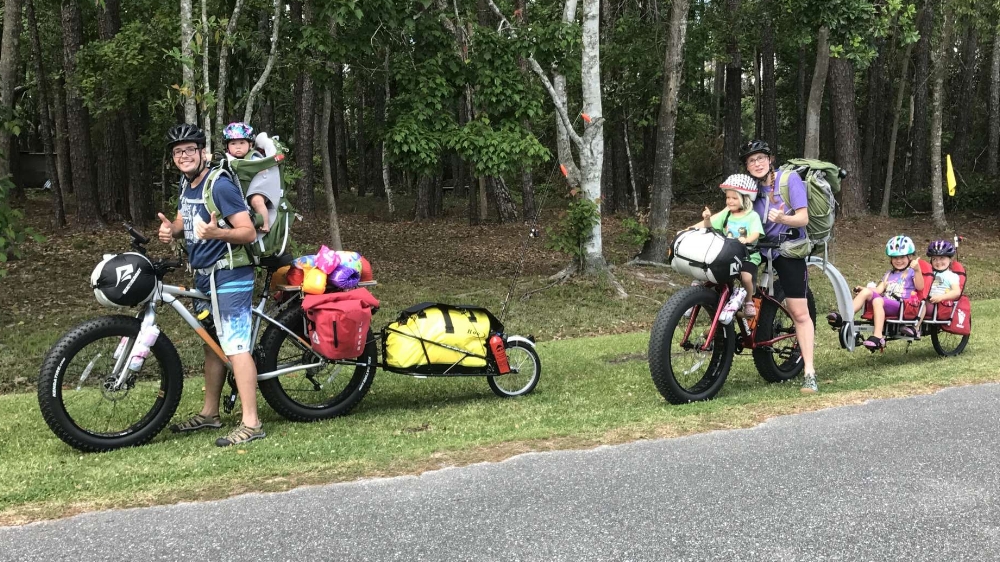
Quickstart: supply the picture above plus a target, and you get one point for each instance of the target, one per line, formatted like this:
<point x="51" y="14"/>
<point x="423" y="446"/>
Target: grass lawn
<point x="593" y="391"/>
<point x="595" y="386"/>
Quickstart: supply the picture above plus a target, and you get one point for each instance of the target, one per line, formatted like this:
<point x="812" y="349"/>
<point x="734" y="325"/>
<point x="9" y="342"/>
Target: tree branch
<point x="561" y="110"/>
<point x="267" y="68"/>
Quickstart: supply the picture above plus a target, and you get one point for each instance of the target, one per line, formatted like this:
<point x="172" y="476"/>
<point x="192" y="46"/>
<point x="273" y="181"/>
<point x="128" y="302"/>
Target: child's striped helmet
<point x="899" y="246"/>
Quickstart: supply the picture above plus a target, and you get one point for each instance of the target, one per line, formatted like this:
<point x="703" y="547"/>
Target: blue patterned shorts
<point x="235" y="288"/>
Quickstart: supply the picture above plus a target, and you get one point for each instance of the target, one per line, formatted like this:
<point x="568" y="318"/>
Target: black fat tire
<point x="522" y="357"/>
<point x="52" y="384"/>
<point x="771" y="319"/>
<point x="285" y="402"/>
<point x="944" y="342"/>
<point x="661" y="367"/>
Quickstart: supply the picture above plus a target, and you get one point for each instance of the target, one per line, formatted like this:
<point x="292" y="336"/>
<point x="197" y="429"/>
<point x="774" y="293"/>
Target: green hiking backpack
<point x="273" y="243"/>
<point x="822" y="181"/>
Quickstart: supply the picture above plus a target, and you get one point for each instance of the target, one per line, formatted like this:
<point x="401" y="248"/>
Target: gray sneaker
<point x="809" y="385"/>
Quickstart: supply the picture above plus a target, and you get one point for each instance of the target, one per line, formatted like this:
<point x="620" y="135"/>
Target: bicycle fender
<point x="522" y="340"/>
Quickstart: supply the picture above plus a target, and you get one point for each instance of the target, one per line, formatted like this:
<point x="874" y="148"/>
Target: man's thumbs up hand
<point x="166" y="233"/>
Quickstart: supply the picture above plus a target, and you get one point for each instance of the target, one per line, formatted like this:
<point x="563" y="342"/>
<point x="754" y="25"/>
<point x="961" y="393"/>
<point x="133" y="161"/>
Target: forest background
<point x="426" y="120"/>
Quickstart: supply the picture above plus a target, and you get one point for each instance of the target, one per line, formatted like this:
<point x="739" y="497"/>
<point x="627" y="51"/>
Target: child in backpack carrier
<point x="249" y="159"/>
<point x="900" y="283"/>
<point x="741" y="222"/>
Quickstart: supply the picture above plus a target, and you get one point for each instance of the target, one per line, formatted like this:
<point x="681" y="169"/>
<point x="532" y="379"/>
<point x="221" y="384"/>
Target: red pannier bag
<point x="337" y="323"/>
<point x="961" y="320"/>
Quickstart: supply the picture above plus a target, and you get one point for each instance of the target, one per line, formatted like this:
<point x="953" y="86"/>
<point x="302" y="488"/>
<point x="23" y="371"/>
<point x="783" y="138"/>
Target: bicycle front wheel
<point x="682" y="370"/>
<point x="327" y="391"/>
<point x="78" y="392"/>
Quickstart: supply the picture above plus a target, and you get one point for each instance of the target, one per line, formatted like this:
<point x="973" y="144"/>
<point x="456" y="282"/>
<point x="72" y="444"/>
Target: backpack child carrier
<point x="429" y="335"/>
<point x="268" y="244"/>
<point x="822" y="181"/>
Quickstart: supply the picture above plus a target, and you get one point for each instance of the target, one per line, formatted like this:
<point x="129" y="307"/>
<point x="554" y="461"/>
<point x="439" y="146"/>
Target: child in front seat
<point x="897" y="285"/>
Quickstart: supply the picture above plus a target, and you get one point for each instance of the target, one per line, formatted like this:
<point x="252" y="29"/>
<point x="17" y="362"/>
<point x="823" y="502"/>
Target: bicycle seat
<point x="273" y="263"/>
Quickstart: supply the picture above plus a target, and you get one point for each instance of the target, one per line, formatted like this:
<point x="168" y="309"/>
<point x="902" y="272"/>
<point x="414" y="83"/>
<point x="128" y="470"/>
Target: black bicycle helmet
<point x="185" y="132"/>
<point x="753" y="147"/>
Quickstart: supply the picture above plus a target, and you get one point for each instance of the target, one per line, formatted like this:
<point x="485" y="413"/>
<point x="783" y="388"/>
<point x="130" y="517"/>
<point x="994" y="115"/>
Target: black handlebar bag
<point x="707" y="255"/>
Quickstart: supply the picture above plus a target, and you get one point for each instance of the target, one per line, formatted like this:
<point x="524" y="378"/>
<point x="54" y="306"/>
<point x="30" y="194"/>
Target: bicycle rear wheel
<point x="76" y="387"/>
<point x="780" y="361"/>
<point x="318" y="393"/>
<point x="682" y="371"/>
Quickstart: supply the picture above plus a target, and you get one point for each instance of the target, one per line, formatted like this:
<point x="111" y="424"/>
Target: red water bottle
<point x="499" y="354"/>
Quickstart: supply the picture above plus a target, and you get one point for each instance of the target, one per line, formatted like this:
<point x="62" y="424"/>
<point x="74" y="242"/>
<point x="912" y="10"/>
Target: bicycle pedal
<point x="229" y="403"/>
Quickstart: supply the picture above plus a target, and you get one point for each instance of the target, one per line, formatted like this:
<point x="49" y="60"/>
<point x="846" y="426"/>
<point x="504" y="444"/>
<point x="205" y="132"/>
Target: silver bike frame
<point x="171" y="295"/>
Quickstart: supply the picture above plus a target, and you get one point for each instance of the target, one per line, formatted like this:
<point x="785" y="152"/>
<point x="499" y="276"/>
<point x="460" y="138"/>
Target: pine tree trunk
<point x="873" y="111"/>
<point x="919" y="161"/>
<point x="378" y="115"/>
<point x="9" y="66"/>
<point x="608" y="201"/>
<point x="340" y="131"/>
<point x="306" y="198"/>
<point x="801" y="101"/>
<point x="845" y="132"/>
<point x="815" y="104"/>
<point x="963" y="118"/>
<point x="386" y="186"/>
<point x="655" y="249"/>
<point x="993" y="151"/>
<point x="362" y="140"/>
<point x="220" y="95"/>
<point x="769" y="104"/>
<point x="187" y="68"/>
<point x="620" y="167"/>
<point x="331" y="198"/>
<point x="890" y="161"/>
<point x="718" y="94"/>
<point x="140" y="193"/>
<point x="58" y="211"/>
<point x="78" y="119"/>
<point x="422" y="207"/>
<point x="732" y="122"/>
<point x="112" y="159"/>
<point x="527" y="182"/>
<point x="940" y="68"/>
<point x="504" y="201"/>
<point x="62" y="137"/>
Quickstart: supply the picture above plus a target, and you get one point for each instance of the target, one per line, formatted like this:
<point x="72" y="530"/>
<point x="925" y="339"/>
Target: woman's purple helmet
<point x="941" y="248"/>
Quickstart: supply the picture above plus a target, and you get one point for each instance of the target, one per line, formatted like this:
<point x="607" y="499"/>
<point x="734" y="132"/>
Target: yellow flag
<point x="950" y="173"/>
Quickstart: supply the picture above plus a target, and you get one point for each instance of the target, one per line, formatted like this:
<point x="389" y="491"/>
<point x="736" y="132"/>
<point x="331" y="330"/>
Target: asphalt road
<point x="909" y="479"/>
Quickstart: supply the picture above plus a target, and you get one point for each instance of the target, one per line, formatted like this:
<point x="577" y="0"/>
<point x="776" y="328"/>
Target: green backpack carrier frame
<point x="273" y="243"/>
<point x="822" y="181"/>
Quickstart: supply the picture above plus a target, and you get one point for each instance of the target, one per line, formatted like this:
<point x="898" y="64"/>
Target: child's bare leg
<point x="861" y="298"/>
<point x="878" y="317"/>
<point x="260" y="207"/>
<point x="747" y="280"/>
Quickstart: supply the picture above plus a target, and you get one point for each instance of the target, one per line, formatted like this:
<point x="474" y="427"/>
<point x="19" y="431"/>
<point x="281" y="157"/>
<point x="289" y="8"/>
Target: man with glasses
<point x="208" y="239"/>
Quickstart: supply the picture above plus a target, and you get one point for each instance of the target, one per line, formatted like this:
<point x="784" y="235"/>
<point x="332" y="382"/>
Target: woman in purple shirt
<point x="785" y="220"/>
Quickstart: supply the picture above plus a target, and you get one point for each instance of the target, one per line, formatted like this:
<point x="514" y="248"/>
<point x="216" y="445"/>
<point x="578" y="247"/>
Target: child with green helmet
<point x="898" y="284"/>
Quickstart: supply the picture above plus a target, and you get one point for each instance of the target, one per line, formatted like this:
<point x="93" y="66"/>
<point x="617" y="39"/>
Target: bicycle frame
<point x="747" y="336"/>
<point x="171" y="295"/>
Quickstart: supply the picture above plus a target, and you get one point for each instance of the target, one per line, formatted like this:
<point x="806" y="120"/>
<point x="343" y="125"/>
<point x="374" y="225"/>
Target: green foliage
<point x="634" y="233"/>
<point x="494" y="152"/>
<point x="13" y="233"/>
<point x="574" y="227"/>
<point x="114" y="73"/>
